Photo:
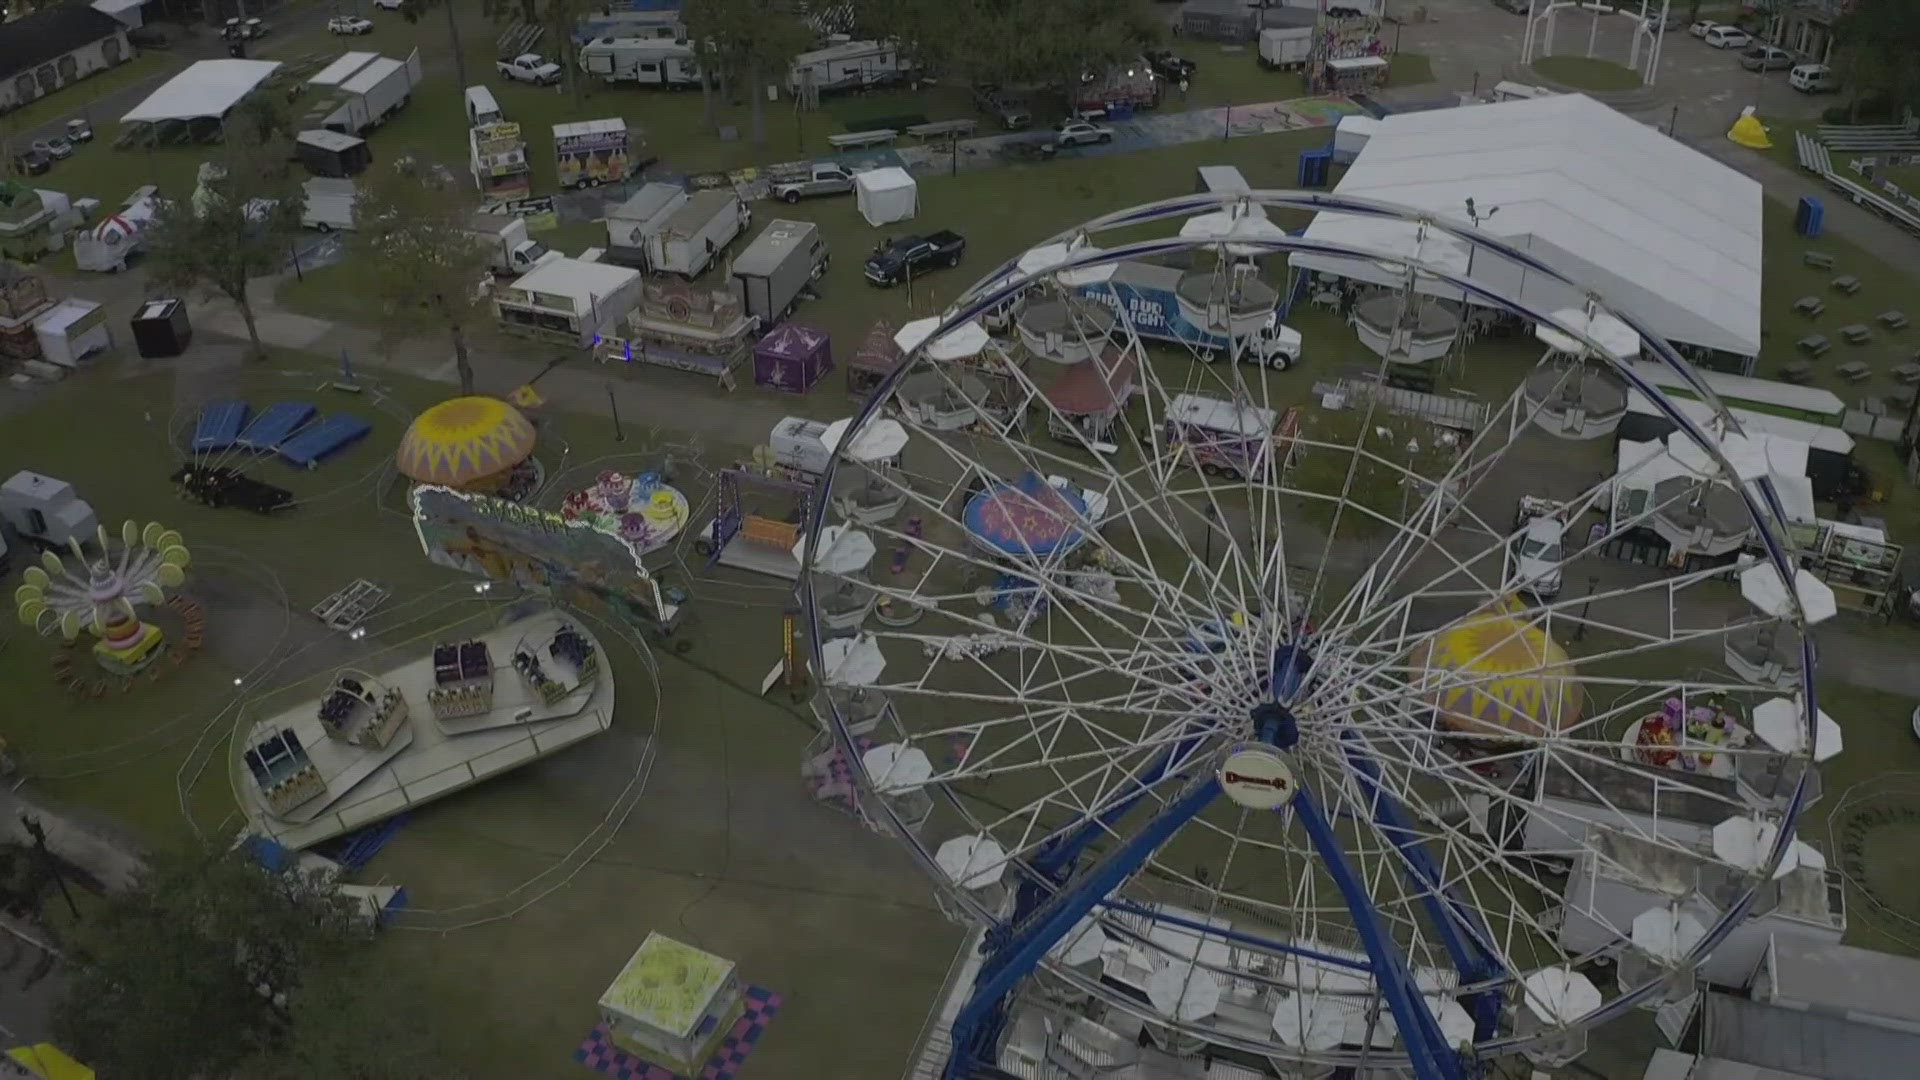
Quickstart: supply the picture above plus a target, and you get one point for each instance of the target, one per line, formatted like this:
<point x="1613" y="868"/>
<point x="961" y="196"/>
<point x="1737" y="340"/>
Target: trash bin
<point x="160" y="329"/>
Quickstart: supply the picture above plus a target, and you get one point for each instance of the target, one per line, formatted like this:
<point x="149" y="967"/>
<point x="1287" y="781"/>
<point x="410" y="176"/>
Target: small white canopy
<point x="885" y="196"/>
<point x="1082" y="945"/>
<point x="1244" y="222"/>
<point x="1560" y="995"/>
<point x="1779" y="723"/>
<point x="1184" y="992"/>
<point x="974" y="862"/>
<point x="1613" y="335"/>
<point x="963" y="341"/>
<point x="896" y="768"/>
<point x="880" y="440"/>
<point x="204" y="91"/>
<point x="1307" y="1021"/>
<point x="843" y="550"/>
<point x="854" y="661"/>
<point x="1746" y="843"/>
<point x="1666" y="933"/>
<point x="1761" y="585"/>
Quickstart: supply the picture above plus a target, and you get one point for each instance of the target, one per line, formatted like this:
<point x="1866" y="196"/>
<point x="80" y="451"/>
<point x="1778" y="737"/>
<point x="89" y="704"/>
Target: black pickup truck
<point x="910" y="256"/>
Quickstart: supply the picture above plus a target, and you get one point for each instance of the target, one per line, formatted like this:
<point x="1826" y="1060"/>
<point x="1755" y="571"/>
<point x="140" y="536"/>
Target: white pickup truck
<point x="529" y="68"/>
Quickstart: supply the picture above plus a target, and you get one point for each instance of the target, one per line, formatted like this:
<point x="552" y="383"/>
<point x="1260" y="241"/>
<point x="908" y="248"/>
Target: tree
<point x="199" y="967"/>
<point x="242" y="231"/>
<point x="422" y="268"/>
<point x="748" y="39"/>
<point x="353" y="1019"/>
<point x="1050" y="42"/>
<point x="1878" y="40"/>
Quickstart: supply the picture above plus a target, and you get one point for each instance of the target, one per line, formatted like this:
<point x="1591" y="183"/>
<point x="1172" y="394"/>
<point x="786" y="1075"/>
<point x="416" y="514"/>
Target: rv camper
<point x="644" y="61"/>
<point x="849" y="65"/>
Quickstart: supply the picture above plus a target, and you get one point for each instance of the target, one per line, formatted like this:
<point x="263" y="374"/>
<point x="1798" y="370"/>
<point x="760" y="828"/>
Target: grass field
<point x="1584" y="73"/>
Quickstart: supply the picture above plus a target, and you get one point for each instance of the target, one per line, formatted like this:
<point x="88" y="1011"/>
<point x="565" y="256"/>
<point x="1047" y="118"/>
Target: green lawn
<point x="1409" y="69"/>
<point x="1583" y="73"/>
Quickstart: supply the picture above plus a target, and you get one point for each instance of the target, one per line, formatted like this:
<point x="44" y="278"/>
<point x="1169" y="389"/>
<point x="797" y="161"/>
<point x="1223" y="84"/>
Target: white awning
<point x="1654" y="226"/>
<point x="204" y="91"/>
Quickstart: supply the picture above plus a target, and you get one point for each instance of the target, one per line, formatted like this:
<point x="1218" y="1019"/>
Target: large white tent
<point x="202" y="92"/>
<point x="1655" y="226"/>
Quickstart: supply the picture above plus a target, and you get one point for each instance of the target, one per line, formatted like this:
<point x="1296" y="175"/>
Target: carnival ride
<point x="472" y="443"/>
<point x="1247" y="723"/>
<point x="103" y="593"/>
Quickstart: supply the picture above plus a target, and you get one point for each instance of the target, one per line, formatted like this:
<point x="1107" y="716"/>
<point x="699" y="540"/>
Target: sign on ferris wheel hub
<point x="1257" y="777"/>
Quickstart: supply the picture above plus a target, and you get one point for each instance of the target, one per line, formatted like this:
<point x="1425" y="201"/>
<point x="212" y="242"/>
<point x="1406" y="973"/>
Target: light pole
<point x="1474" y="215"/>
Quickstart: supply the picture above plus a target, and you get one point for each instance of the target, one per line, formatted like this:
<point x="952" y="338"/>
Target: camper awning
<point x="1650" y="224"/>
<point x="204" y="91"/>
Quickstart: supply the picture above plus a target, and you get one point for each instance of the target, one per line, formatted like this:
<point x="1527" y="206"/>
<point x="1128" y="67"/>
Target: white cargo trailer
<point x="368" y="97"/>
<point x="1287" y="47"/>
<point x="329" y="204"/>
<point x="689" y="239"/>
<point x="630" y="223"/>
<point x="773" y="270"/>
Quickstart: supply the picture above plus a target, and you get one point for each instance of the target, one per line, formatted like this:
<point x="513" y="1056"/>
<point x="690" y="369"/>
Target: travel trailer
<point x="643" y="61"/>
<point x="849" y="65"/>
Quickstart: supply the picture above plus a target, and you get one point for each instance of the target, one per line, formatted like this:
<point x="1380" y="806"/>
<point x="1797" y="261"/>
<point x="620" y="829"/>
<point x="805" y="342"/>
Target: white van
<point x="481" y="108"/>
<point x="1813" y="78"/>
<point x="1728" y="37"/>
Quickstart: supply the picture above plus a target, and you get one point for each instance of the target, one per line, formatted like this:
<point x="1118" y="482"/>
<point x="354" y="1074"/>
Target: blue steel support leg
<point x="1461" y="930"/>
<point x="1432" y="1059"/>
<point x="978" y="1024"/>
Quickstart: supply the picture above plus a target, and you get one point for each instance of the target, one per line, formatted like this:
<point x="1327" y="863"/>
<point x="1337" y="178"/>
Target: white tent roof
<point x="1658" y="228"/>
<point x="205" y="90"/>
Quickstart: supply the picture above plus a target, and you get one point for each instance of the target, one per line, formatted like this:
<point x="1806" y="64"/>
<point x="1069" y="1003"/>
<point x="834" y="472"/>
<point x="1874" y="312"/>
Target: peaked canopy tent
<point x="1654" y="225"/>
<point x="205" y="91"/>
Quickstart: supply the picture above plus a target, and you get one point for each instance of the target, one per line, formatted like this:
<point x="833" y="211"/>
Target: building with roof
<point x="55" y="46"/>
<point x="1651" y="224"/>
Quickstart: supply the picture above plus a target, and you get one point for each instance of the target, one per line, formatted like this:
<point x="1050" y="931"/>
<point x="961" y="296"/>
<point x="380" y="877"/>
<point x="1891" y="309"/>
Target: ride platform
<point x="426" y="761"/>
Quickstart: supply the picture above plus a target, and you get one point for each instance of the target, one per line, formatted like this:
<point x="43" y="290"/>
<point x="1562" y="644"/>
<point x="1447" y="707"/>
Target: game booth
<point x="871" y="363"/>
<point x="1086" y="401"/>
<point x="792" y="358"/>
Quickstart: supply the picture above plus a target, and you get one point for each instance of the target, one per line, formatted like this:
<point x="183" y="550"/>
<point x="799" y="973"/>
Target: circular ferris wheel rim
<point x="1007" y="282"/>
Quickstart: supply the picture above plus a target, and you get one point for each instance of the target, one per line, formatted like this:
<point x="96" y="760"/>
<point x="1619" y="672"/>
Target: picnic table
<point x="1815" y="344"/>
<point x="854" y="140"/>
<point x="944" y="129"/>
<point x="1810" y="306"/>
<point x="1847" y="283"/>
<point x="1856" y="333"/>
<point x="1819" y="260"/>
<point x="1854" y="370"/>
<point x="1903" y="397"/>
<point x="1908" y="373"/>
<point x="1894" y="320"/>
<point x="1797" y="372"/>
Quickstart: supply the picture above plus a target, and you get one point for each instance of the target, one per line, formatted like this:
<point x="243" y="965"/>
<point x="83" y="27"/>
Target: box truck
<point x="687" y="240"/>
<point x="779" y="263"/>
<point x="1147" y="296"/>
<point x="509" y="251"/>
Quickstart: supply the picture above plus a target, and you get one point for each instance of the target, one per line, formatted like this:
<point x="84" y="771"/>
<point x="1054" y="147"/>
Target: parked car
<point x="1766" y="58"/>
<point x="32" y="162"/>
<point x="1701" y="28"/>
<point x="1813" y="79"/>
<point x="389" y="5"/>
<point x="1011" y="114"/>
<point x="1537" y="554"/>
<point x="1169" y="65"/>
<point x="910" y="256"/>
<point x="349" y="24"/>
<point x="1518" y="7"/>
<point x="244" y="30"/>
<point x="79" y="131"/>
<point x="1728" y="37"/>
<point x="1081" y="133"/>
<point x="58" y="146"/>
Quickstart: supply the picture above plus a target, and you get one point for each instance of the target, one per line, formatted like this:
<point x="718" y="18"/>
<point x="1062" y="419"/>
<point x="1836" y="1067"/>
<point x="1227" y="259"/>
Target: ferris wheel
<point x="1317" y="720"/>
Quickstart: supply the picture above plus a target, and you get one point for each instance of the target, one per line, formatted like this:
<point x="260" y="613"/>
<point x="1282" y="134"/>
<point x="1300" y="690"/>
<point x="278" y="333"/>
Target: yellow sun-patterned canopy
<point x="465" y="442"/>
<point x="1496" y="674"/>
